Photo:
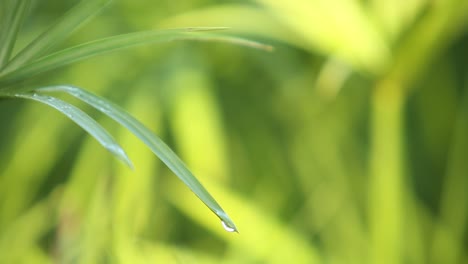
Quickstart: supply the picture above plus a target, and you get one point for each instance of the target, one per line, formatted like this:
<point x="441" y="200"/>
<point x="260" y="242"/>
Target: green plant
<point x="39" y="57"/>
<point x="347" y="145"/>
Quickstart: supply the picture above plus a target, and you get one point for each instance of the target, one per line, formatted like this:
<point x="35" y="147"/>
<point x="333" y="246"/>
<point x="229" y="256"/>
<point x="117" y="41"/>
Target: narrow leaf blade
<point x="157" y="146"/>
<point x="58" y="32"/>
<point x="81" y="119"/>
<point x="11" y="28"/>
<point x="120" y="42"/>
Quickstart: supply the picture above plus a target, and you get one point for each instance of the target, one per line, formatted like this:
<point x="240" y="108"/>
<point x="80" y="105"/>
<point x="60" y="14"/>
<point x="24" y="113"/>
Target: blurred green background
<point x="347" y="144"/>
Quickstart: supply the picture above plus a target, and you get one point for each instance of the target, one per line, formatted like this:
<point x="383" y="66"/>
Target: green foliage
<point x="82" y="119"/>
<point x="345" y="145"/>
<point x="98" y="47"/>
<point x="28" y="62"/>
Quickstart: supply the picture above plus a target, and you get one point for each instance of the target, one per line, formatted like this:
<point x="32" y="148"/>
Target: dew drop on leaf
<point x="228" y="228"/>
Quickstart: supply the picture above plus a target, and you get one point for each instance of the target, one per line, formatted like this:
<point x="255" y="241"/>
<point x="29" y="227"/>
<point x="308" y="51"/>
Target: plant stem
<point x="386" y="173"/>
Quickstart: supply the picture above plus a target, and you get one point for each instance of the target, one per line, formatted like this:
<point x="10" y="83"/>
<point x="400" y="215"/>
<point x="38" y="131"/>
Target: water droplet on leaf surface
<point x="227" y="227"/>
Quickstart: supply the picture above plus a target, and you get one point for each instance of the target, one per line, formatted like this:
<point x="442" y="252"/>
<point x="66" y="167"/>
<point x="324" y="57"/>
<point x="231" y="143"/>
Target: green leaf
<point x="80" y="118"/>
<point x="157" y="146"/>
<point x="120" y="42"/>
<point x="11" y="27"/>
<point x="58" y="32"/>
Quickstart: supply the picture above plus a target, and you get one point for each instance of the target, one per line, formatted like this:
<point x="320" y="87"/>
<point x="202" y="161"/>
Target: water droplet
<point x="227" y="227"/>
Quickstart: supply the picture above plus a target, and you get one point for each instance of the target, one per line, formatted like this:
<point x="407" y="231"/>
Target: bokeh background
<point x="347" y="144"/>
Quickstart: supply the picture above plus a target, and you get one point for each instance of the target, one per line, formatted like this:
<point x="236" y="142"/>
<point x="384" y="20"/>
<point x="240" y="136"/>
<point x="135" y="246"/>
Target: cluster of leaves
<point x="37" y="58"/>
<point x="347" y="145"/>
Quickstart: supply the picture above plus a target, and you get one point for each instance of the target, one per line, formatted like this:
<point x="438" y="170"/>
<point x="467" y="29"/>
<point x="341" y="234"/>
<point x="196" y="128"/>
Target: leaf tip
<point x="226" y="222"/>
<point x="121" y="155"/>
